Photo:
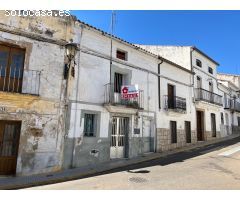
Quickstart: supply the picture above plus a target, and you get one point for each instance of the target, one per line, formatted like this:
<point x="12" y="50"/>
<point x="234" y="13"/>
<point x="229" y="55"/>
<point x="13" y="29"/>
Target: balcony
<point x="177" y="104"/>
<point x="114" y="98"/>
<point x="210" y="97"/>
<point x="20" y="81"/>
<point x="232" y="104"/>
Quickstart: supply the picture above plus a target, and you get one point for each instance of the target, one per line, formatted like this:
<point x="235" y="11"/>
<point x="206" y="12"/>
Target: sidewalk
<point x="77" y="173"/>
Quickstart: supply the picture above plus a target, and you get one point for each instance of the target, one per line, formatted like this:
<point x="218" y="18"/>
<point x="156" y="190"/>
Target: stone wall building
<point x="32" y="93"/>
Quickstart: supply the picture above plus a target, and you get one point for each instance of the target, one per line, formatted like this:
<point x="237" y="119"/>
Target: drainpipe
<point x="159" y="81"/>
<point x="76" y="96"/>
<point x="192" y="69"/>
<point x="159" y="102"/>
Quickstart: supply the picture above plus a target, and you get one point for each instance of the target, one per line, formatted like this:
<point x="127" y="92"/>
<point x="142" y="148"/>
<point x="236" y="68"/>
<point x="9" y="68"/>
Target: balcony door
<point x="199" y="82"/>
<point x="171" y="91"/>
<point x="211" y="92"/>
<point x="11" y="68"/>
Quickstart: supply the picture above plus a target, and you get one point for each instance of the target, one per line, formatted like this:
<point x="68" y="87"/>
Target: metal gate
<point x="9" y="141"/>
<point x="120" y="128"/>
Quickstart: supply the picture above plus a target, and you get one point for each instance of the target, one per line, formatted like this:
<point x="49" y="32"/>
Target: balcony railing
<point x="175" y="103"/>
<point x="19" y="81"/>
<point x="227" y="103"/>
<point x="114" y="98"/>
<point x="232" y="104"/>
<point x="210" y="97"/>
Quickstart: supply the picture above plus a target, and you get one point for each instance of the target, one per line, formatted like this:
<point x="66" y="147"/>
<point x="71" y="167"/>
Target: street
<point x="211" y="167"/>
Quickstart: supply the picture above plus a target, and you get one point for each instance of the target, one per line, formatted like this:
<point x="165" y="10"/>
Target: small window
<point x="210" y="70"/>
<point x="222" y="118"/>
<point x="198" y="63"/>
<point x="173" y="130"/>
<point x="121" y="55"/>
<point x="90" y="125"/>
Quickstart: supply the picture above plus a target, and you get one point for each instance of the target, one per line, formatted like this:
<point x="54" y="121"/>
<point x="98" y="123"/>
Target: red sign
<point x="129" y="91"/>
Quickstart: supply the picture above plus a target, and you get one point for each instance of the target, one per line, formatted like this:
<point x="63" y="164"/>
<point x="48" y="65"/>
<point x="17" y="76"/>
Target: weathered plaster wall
<point x="42" y="131"/>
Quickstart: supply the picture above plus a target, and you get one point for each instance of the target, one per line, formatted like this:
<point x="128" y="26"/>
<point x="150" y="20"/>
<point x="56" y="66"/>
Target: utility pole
<point x="111" y="47"/>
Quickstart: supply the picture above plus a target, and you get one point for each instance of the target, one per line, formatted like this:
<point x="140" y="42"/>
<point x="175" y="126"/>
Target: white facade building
<point x="207" y="99"/>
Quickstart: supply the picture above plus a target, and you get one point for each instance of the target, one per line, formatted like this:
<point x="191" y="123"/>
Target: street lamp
<point x="71" y="50"/>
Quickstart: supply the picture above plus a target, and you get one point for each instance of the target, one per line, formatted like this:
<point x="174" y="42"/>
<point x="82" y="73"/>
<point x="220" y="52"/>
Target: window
<point x="121" y="55"/>
<point x="118" y="82"/>
<point x="11" y="68"/>
<point x="198" y="63"/>
<point x="222" y="118"/>
<point x="210" y="70"/>
<point x="173" y="131"/>
<point x="90" y="125"/>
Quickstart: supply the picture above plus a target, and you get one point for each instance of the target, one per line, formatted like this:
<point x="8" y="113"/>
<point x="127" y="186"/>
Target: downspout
<point x="76" y="96"/>
<point x="159" y="81"/>
<point x="159" y="101"/>
<point x="192" y="69"/>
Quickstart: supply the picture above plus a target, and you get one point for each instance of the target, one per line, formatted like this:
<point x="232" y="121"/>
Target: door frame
<point x="126" y="139"/>
<point x="17" y="143"/>
<point x="202" y="125"/>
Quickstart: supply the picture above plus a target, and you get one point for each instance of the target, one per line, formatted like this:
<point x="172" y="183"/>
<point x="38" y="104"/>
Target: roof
<point x="228" y="74"/>
<point x="132" y="45"/>
<point x="199" y="51"/>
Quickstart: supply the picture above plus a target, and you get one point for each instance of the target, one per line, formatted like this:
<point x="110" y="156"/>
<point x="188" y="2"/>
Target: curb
<point x="73" y="174"/>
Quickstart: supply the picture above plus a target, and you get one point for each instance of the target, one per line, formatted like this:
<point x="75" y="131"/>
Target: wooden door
<point x="200" y="126"/>
<point x="11" y="68"/>
<point x="9" y="141"/>
<point x="213" y="124"/>
<point x="188" y="131"/>
<point x="171" y="96"/>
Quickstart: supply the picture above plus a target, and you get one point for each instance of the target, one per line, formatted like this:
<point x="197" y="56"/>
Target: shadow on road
<point x="174" y="158"/>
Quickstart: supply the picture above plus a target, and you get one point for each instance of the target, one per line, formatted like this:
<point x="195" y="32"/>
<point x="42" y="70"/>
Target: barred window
<point x="89" y="125"/>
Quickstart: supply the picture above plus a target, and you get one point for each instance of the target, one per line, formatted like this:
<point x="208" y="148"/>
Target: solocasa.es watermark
<point x="42" y="13"/>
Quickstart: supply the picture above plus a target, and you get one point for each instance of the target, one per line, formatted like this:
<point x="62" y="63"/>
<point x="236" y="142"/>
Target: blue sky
<point x="217" y="33"/>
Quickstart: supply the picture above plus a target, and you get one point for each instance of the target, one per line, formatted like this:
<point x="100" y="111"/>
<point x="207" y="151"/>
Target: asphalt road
<point x="212" y="167"/>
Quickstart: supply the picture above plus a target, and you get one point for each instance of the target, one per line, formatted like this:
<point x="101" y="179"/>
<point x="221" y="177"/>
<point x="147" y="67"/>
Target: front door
<point x="213" y="124"/>
<point x="200" y="126"/>
<point x="9" y="141"/>
<point x="120" y="129"/>
<point x="188" y="131"/>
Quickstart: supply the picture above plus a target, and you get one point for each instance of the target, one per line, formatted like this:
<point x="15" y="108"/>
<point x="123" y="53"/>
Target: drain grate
<point x="138" y="180"/>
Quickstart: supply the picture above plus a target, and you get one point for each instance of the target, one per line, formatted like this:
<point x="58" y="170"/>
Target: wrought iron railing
<point x="114" y="98"/>
<point x="210" y="97"/>
<point x="227" y="103"/>
<point x="175" y="103"/>
<point x="232" y="104"/>
<point x="19" y="81"/>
